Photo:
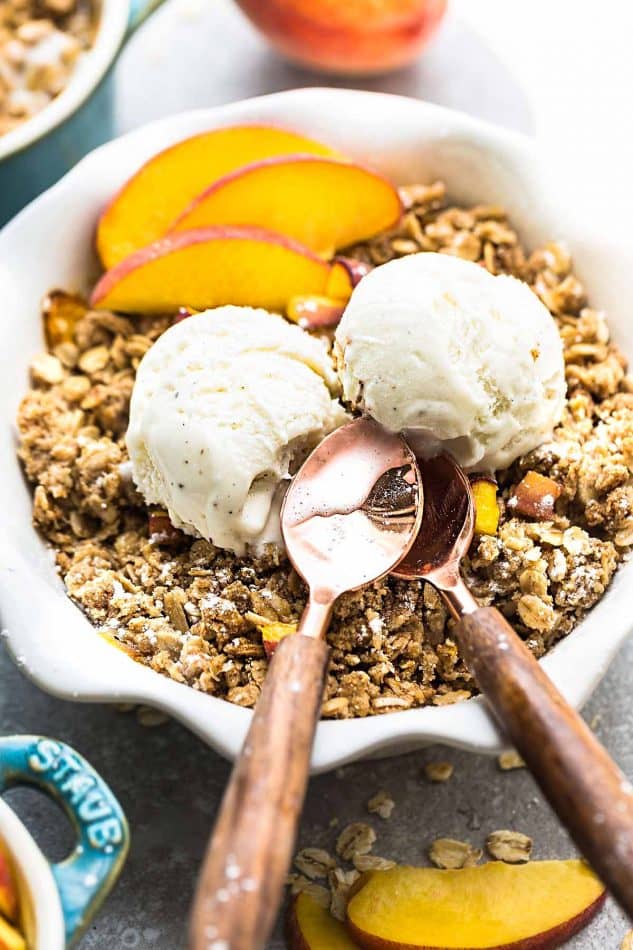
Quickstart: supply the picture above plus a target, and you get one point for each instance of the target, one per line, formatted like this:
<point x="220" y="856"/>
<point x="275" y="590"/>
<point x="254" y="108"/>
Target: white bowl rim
<point x="36" y="875"/>
<point x="90" y="71"/>
<point x="465" y="725"/>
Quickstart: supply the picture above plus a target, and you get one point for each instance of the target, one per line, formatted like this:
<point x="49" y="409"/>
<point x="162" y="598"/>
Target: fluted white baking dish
<point x="49" y="244"/>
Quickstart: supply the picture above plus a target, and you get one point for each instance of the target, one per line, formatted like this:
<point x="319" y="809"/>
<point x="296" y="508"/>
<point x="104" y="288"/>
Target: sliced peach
<point x="10" y="938"/>
<point x="486" y="508"/>
<point x="535" y="497"/>
<point x="159" y="526"/>
<point x="8" y="888"/>
<point x="316" y="312"/>
<point x="273" y="632"/>
<point x="112" y="641"/>
<point x="183" y="313"/>
<point x="149" y="203"/>
<point x="496" y="905"/>
<point x="209" y="267"/>
<point x="310" y="926"/>
<point x="324" y="203"/>
<point x="61" y="312"/>
<point x="348" y="273"/>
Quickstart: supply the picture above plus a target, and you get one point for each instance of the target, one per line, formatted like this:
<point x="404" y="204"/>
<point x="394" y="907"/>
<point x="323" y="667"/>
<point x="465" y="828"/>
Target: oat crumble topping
<point x="186" y="608"/>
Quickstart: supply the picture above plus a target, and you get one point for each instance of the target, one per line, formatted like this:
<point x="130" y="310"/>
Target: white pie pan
<point x="50" y="244"/>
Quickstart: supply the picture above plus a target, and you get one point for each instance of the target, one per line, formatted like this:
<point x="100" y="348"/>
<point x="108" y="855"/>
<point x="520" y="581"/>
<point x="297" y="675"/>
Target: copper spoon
<point x="586" y="789"/>
<point x="350" y="515"/>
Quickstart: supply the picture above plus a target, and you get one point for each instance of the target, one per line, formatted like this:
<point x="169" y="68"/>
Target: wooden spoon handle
<point x="240" y="886"/>
<point x="582" y="783"/>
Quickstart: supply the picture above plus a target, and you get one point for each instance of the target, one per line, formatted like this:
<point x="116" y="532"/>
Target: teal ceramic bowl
<point x="39" y="151"/>
<point x="57" y="901"/>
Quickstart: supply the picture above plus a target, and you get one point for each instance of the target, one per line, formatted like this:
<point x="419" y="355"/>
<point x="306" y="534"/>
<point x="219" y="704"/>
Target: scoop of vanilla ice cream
<point x="224" y="404"/>
<point x="457" y="358"/>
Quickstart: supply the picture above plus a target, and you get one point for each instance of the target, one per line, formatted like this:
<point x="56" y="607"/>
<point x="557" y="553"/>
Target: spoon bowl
<point x="353" y="509"/>
<point x="446" y="532"/>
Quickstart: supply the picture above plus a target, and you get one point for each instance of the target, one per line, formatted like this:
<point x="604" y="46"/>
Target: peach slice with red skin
<point x="349" y="273"/>
<point x="159" y="526"/>
<point x="209" y="267"/>
<point x="315" y="313"/>
<point x="273" y="632"/>
<point x="147" y="205"/>
<point x="324" y="203"/>
<point x="310" y="926"/>
<point x="493" y="906"/>
<point x="323" y="313"/>
<point x="535" y="497"/>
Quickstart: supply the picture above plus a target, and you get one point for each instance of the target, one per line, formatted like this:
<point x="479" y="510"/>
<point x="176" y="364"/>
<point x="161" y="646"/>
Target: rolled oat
<point x="381" y="804"/>
<point x="372" y="862"/>
<point x="512" y="847"/>
<point x="299" y="884"/>
<point x="450" y="854"/>
<point x="438" y="771"/>
<point x="314" y="862"/>
<point x="357" y="838"/>
<point x="340" y="882"/>
<point x="510" y="760"/>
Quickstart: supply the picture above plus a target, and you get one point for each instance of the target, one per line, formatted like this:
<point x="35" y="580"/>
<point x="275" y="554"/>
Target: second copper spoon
<point x="584" y="786"/>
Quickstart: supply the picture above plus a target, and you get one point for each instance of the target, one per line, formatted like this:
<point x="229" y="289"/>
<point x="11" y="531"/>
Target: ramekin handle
<point x="88" y="873"/>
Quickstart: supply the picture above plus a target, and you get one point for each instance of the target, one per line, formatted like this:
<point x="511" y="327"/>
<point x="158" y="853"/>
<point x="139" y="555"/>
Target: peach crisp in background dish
<point x="41" y="42"/>
<point x="159" y="532"/>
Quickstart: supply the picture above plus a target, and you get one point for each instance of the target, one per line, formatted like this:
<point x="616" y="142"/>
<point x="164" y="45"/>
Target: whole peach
<point x="347" y="36"/>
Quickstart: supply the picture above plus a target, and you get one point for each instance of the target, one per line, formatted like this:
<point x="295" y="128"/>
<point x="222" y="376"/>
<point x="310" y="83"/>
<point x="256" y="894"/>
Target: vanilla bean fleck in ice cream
<point x="457" y="358"/>
<point x="225" y="404"/>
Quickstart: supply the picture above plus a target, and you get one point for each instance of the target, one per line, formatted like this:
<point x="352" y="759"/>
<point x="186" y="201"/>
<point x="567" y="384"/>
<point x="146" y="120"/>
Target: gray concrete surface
<point x="196" y="53"/>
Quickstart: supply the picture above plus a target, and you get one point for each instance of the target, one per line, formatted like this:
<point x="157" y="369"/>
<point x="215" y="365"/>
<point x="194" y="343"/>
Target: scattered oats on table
<point x="340" y="882"/>
<point x="372" y="862"/>
<point x="314" y="862"/>
<point x="185" y="608"/>
<point x="151" y="718"/>
<point x="450" y="854"/>
<point x="512" y="847"/>
<point x="300" y="884"/>
<point x="438" y="771"/>
<point x="357" y="838"/>
<point x="381" y="804"/>
<point x="510" y="760"/>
